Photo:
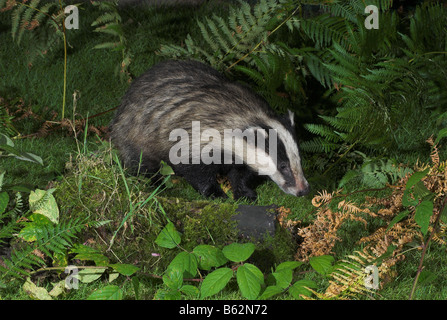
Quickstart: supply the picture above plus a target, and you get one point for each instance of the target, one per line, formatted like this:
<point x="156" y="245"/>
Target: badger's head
<point x="281" y="161"/>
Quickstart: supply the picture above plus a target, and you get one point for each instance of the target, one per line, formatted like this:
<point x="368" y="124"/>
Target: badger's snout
<point x="303" y="188"/>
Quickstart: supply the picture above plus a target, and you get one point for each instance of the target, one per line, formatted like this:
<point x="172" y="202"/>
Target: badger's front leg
<point x="240" y="177"/>
<point x="203" y="178"/>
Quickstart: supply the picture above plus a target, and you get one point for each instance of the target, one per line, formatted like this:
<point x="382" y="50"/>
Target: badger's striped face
<point x="285" y="158"/>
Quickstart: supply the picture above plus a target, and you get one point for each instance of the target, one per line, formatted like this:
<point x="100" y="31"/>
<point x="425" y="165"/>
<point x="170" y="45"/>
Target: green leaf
<point x="170" y="294"/>
<point x="26" y="156"/>
<point x="4" y="200"/>
<point x="113" y="276"/>
<point x="270" y="291"/>
<point x="114" y="29"/>
<point x="388" y="253"/>
<point x="397" y="218"/>
<point x="283" y="277"/>
<point x="173" y="279"/>
<point x="238" y="252"/>
<point x="35" y="292"/>
<point x="110" y="292"/>
<point x="43" y="202"/>
<point x="33" y="230"/>
<point x="190" y="290"/>
<point x="168" y="237"/>
<point x="421" y="191"/>
<point x="415" y="178"/>
<point x="288" y="265"/>
<point x="215" y="282"/>
<point x="209" y="256"/>
<point x="424" y="211"/>
<point x="89" y="275"/>
<point x="299" y="288"/>
<point x="249" y="278"/>
<point x="407" y="200"/>
<point x="186" y="263"/>
<point x="124" y="269"/>
<point x="5" y="140"/>
<point x="86" y="253"/>
<point x="322" y="264"/>
<point x="166" y="170"/>
<point x="441" y="134"/>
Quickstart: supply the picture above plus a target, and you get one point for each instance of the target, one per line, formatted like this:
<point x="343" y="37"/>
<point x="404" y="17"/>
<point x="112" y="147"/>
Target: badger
<point x="204" y="126"/>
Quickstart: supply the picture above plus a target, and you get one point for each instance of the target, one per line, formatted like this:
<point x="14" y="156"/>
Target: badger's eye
<point x="282" y="166"/>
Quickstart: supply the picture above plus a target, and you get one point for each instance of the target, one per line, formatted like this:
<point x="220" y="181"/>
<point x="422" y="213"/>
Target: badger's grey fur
<point x="174" y="94"/>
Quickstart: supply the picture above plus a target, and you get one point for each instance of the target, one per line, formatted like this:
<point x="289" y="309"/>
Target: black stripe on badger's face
<point x="289" y="173"/>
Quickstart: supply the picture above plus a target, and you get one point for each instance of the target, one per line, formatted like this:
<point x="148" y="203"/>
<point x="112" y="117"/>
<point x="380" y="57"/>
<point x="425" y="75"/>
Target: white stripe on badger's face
<point x="301" y="186"/>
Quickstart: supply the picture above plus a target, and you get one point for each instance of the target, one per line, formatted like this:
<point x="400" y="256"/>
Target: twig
<point x="425" y="247"/>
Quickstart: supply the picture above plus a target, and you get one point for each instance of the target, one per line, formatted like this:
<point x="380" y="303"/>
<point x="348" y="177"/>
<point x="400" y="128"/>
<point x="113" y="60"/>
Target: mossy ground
<point x="95" y="188"/>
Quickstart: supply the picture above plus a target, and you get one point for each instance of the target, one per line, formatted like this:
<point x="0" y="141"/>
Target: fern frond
<point x="325" y="30"/>
<point x="50" y="239"/>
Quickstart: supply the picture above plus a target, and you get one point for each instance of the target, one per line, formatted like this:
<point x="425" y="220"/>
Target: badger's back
<point x="172" y="95"/>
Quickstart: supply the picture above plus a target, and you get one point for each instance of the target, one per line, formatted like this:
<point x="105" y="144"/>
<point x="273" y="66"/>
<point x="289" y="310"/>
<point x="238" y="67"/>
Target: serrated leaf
<point x="249" y="278"/>
<point x="110" y="292"/>
<point x="173" y="279"/>
<point x="43" y="202"/>
<point x="288" y="265"/>
<point x="124" y="269"/>
<point x="34" y="229"/>
<point x="424" y="211"/>
<point x="170" y="294"/>
<point x="89" y="275"/>
<point x="215" y="282"/>
<point x="322" y="264"/>
<point x="4" y="200"/>
<point x="86" y="253"/>
<point x="415" y="178"/>
<point x="169" y="237"/>
<point x="238" y="252"/>
<point x="420" y="190"/>
<point x="190" y="290"/>
<point x="407" y="200"/>
<point x="209" y="256"/>
<point x="270" y="291"/>
<point x="283" y="277"/>
<point x="186" y="263"/>
<point x="397" y="218"/>
<point x="299" y="288"/>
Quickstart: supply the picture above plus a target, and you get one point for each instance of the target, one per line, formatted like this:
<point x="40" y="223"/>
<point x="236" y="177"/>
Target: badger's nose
<point x="304" y="190"/>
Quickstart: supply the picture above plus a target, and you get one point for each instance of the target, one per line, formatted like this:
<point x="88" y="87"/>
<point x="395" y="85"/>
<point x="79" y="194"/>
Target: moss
<point x="201" y="222"/>
<point x="94" y="189"/>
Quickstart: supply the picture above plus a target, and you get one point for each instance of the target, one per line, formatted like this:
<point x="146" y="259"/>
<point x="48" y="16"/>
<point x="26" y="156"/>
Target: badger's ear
<point x="291" y="117"/>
